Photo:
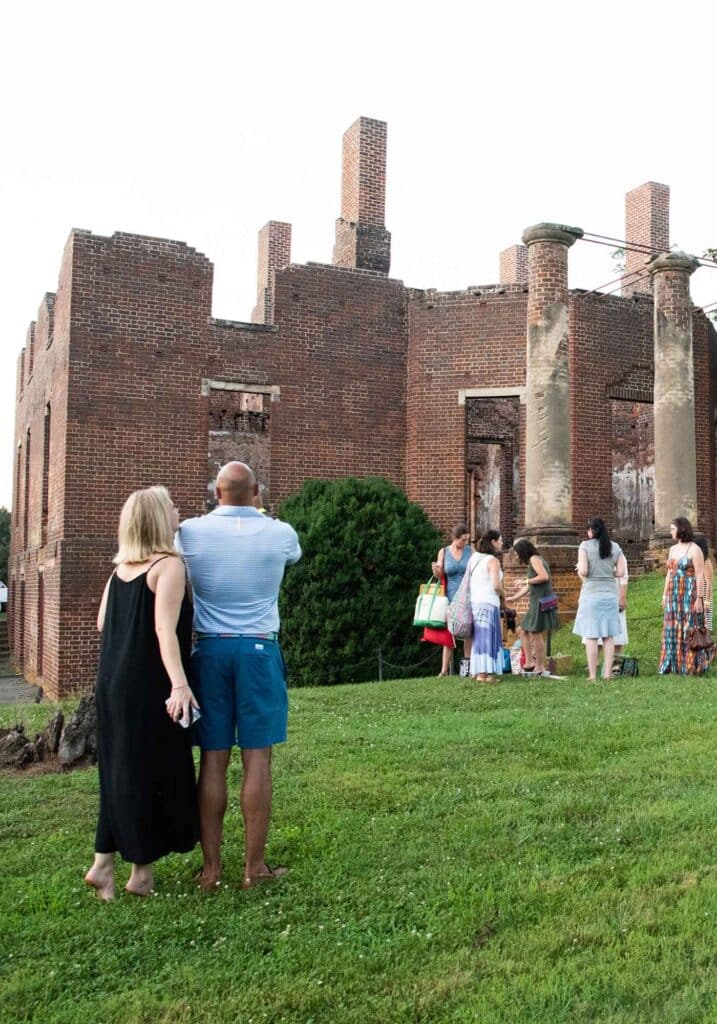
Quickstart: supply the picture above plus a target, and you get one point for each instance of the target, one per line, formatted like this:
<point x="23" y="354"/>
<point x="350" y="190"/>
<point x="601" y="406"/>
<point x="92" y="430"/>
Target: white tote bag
<point x="431" y="606"/>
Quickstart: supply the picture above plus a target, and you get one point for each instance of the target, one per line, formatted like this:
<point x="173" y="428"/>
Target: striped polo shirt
<point x="235" y="559"/>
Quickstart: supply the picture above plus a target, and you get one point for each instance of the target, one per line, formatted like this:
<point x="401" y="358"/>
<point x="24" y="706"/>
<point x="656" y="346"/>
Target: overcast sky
<point x="200" y="122"/>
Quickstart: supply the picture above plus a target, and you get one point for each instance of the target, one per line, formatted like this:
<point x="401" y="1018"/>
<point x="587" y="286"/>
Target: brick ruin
<point x="126" y="379"/>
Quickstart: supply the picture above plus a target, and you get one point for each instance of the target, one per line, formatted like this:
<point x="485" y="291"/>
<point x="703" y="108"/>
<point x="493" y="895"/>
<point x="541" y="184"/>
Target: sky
<point x="200" y="122"/>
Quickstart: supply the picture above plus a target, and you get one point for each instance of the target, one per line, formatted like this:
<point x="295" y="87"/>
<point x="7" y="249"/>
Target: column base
<point x="559" y="546"/>
<point x="657" y="551"/>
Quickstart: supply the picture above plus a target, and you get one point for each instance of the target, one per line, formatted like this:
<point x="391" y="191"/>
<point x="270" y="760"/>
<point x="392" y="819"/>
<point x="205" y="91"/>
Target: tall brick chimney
<point x="647" y="222"/>
<point x="274" y="253"/>
<point x="514" y="265"/>
<point x="362" y="241"/>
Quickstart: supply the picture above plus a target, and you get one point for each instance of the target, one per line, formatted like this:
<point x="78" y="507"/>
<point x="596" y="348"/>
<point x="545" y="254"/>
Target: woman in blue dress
<point x="600" y="560"/>
<point x="450" y="565"/>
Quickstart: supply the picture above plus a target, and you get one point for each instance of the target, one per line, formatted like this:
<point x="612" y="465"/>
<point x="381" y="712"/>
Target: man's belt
<point x="235" y="636"/>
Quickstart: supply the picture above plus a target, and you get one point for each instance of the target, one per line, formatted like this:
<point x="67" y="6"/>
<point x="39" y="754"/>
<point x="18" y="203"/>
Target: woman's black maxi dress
<point x="148" y="796"/>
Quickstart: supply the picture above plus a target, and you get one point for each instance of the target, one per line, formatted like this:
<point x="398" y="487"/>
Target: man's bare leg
<point x="256" y="809"/>
<point x="212" y="807"/>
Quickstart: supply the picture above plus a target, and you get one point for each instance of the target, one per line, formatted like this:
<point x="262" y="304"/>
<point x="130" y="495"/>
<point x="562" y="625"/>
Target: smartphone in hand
<point x="193" y="716"/>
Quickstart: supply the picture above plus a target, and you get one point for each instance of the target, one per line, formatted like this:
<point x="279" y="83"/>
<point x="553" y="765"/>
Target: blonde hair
<point x="145" y="527"/>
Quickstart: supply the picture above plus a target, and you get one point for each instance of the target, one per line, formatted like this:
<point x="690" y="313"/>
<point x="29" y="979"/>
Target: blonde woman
<point x="148" y="799"/>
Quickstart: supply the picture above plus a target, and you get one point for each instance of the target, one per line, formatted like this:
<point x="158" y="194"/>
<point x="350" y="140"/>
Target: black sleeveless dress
<point x="148" y="795"/>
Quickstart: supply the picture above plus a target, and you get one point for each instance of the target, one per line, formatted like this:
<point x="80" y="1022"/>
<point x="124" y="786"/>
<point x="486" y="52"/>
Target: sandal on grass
<point x="203" y="882"/>
<point x="272" y="875"/>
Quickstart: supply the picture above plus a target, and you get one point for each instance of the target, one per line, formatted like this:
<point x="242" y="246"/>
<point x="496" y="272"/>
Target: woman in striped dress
<point x="683" y="603"/>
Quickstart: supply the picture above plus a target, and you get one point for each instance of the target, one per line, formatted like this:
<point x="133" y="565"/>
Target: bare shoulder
<point x="169" y="570"/>
<point x="172" y="565"/>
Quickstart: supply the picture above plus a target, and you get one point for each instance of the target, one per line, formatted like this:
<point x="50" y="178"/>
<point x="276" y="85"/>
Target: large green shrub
<point x="366" y="548"/>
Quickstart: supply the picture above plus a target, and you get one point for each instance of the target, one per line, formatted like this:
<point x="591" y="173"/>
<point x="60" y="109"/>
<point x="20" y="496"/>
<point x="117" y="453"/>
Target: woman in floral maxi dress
<point x="683" y="604"/>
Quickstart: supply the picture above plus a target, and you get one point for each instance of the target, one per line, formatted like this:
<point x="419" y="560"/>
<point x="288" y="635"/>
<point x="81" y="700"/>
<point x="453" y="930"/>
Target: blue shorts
<point x="240" y="684"/>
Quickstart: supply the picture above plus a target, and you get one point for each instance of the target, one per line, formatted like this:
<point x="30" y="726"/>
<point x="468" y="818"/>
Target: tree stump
<point x="79" y="737"/>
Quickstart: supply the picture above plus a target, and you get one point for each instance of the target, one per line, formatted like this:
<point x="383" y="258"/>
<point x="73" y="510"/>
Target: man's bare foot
<point x="265" y="874"/>
<point x="207" y="880"/>
<point x="102" y="880"/>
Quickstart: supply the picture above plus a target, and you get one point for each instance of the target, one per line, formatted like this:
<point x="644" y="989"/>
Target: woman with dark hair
<point x="535" y="622"/>
<point x="450" y="567"/>
<point x="683" y="603"/>
<point x="486" y="589"/>
<point x="600" y="560"/>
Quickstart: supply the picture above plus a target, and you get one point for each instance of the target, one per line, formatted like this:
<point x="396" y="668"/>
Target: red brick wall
<point x="705" y="363"/>
<point x="457" y="340"/>
<point x="338" y="354"/>
<point x="137" y="345"/>
<point x="36" y="549"/>
<point x="368" y="375"/>
<point x="610" y="338"/>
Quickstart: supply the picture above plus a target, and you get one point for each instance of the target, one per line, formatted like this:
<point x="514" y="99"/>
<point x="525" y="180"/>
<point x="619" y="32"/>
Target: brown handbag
<point x="700" y="638"/>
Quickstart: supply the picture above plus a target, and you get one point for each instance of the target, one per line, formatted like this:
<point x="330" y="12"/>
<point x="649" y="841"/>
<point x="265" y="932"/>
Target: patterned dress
<point x="680" y="619"/>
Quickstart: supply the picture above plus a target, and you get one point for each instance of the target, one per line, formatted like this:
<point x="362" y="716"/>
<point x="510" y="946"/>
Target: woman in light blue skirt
<point x="600" y="560"/>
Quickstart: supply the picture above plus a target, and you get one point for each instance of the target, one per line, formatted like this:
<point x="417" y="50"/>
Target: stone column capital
<point x="673" y="261"/>
<point x="544" y="232"/>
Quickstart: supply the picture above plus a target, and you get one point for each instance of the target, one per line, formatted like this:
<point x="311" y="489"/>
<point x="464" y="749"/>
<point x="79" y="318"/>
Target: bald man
<point x="235" y="559"/>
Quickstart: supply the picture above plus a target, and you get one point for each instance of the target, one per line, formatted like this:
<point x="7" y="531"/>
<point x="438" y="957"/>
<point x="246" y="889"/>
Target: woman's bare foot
<point x="135" y="888"/>
<point x="140" y="883"/>
<point x="102" y="879"/>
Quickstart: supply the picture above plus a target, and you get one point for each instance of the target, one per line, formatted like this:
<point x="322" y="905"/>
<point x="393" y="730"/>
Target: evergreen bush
<point x="366" y="548"/>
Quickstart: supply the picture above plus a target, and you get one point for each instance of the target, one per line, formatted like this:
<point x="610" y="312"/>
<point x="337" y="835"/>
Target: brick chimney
<point x="514" y="265"/>
<point x="647" y="222"/>
<point x="274" y="253"/>
<point x="362" y="241"/>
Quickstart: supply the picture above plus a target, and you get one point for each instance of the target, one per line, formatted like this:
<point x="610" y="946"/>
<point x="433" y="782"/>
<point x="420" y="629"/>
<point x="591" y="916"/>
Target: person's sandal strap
<point x="271" y="876"/>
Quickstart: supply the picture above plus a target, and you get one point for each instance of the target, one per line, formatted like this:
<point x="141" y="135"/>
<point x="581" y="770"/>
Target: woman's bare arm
<point x="541" y="574"/>
<point x="583" y="567"/>
<point x="103" y="606"/>
<point x="621" y="575"/>
<point x="169" y="591"/>
<point x="494" y="571"/>
<point x="668" y="577"/>
<point x="698" y="561"/>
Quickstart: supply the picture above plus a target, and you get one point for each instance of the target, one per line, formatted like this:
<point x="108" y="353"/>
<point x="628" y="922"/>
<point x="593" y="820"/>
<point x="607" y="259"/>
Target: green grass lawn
<point x="539" y="851"/>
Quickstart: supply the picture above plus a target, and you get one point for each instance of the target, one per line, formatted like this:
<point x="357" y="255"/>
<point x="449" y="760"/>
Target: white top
<point x="482" y="590"/>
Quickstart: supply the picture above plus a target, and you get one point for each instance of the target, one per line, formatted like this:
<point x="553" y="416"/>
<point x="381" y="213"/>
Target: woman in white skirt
<point x="486" y="588"/>
<point x="622" y="638"/>
<point x="600" y="560"/>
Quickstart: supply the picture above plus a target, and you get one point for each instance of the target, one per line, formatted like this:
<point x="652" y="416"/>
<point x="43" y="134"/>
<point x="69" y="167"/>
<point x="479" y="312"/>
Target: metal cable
<point x="591" y="236"/>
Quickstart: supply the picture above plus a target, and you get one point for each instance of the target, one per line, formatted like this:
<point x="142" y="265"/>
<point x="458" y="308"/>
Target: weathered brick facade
<point x="127" y="380"/>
